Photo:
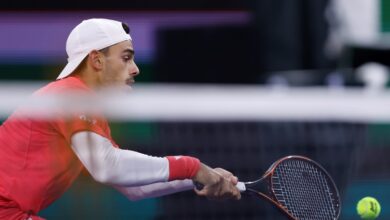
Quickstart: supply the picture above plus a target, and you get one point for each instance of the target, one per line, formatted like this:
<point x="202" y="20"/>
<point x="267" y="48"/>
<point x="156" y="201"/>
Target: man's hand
<point x="218" y="183"/>
<point x="227" y="175"/>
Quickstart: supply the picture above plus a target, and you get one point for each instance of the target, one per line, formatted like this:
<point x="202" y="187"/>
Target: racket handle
<point x="240" y="186"/>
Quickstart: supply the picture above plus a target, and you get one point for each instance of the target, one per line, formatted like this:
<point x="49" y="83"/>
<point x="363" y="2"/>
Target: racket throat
<point x="260" y="185"/>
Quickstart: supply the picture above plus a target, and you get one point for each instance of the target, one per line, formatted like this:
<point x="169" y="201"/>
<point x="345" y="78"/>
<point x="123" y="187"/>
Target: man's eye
<point x="126" y="58"/>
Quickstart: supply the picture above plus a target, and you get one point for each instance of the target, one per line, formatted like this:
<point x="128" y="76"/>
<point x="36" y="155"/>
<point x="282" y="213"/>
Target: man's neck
<point x="88" y="78"/>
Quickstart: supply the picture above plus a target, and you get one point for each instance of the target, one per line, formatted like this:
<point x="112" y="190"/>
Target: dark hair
<point x="105" y="50"/>
<point x="126" y="28"/>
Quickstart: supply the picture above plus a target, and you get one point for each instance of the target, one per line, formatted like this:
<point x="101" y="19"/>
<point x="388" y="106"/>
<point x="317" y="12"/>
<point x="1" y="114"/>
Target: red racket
<point x="299" y="187"/>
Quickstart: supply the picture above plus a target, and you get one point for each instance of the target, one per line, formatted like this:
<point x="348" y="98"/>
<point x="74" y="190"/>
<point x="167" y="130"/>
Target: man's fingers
<point x="227" y="175"/>
<point x="234" y="180"/>
<point x="237" y="194"/>
<point x="233" y="192"/>
<point x="218" y="184"/>
<point x="201" y="192"/>
<point x="210" y="194"/>
<point x="223" y="172"/>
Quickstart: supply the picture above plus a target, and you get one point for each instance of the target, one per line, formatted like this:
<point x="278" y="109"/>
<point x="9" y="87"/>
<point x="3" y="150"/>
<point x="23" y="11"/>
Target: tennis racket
<point x="299" y="187"/>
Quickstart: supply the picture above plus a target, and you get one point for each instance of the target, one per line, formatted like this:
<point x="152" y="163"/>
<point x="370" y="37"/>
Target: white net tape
<point x="170" y="102"/>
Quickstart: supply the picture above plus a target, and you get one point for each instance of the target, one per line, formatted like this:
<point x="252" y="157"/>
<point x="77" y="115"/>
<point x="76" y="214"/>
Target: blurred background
<point x="275" y="44"/>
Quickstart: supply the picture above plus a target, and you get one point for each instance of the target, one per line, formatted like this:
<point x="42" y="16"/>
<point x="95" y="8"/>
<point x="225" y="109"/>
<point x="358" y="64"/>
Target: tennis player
<point x="40" y="159"/>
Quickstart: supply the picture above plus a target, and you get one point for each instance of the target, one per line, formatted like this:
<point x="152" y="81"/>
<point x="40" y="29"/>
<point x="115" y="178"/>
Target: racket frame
<point x="268" y="193"/>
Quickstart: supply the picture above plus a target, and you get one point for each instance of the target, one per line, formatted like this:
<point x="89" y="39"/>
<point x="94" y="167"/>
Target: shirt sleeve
<point x="113" y="166"/>
<point x="67" y="125"/>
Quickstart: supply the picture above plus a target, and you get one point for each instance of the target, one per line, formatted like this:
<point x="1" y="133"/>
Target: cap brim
<point x="71" y="66"/>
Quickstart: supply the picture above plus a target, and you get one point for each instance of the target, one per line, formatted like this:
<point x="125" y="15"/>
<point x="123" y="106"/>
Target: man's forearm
<point x="155" y="189"/>
<point x="110" y="165"/>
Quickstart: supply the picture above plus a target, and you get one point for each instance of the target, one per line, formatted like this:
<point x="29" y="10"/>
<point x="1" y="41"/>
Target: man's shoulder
<point x="63" y="85"/>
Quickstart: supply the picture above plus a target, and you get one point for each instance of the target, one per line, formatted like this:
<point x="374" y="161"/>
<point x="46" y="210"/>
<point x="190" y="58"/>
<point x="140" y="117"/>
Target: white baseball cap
<point x="89" y="35"/>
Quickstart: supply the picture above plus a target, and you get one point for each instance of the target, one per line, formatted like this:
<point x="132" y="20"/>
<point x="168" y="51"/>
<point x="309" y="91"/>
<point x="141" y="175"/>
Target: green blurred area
<point x="379" y="135"/>
<point x="37" y="71"/>
<point x="28" y="71"/>
<point x="385" y="16"/>
<point x="87" y="199"/>
<point x="125" y="132"/>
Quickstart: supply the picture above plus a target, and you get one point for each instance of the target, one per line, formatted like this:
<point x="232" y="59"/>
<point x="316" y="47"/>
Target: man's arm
<point x="125" y="168"/>
<point x="110" y="165"/>
<point x="166" y="188"/>
<point x="155" y="189"/>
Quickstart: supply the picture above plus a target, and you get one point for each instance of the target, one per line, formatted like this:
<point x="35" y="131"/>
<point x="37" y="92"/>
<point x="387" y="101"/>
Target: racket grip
<point x="240" y="186"/>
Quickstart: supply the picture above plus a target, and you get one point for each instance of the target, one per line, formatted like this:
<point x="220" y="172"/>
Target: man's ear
<point x="95" y="59"/>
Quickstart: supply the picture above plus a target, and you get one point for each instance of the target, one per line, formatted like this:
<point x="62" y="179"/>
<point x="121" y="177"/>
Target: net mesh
<point x="242" y="129"/>
<point x="247" y="149"/>
<point x="305" y="190"/>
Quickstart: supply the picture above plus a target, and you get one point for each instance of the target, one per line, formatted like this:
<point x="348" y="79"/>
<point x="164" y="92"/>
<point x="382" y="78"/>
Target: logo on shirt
<point x="88" y="119"/>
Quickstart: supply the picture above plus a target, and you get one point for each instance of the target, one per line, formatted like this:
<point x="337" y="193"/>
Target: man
<point x="39" y="159"/>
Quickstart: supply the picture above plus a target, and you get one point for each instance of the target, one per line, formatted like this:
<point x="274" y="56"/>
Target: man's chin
<point x="124" y="88"/>
<point x="116" y="89"/>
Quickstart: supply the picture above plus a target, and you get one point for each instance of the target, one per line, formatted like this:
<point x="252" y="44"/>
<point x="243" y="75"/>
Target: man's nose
<point x="134" y="71"/>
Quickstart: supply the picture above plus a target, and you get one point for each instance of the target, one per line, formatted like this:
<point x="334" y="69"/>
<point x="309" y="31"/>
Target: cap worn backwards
<point x="89" y="35"/>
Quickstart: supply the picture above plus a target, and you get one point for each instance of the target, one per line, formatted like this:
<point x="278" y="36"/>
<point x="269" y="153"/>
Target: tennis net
<point x="243" y="129"/>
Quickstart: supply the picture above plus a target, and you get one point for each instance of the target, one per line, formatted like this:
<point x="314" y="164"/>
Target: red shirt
<point x="37" y="164"/>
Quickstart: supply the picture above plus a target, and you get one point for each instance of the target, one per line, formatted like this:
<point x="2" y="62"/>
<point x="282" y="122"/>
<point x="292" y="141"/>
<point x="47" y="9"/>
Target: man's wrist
<point x="182" y="167"/>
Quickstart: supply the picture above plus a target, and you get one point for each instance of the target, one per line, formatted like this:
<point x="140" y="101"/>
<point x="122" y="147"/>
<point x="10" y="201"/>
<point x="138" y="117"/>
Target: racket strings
<point x="304" y="190"/>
